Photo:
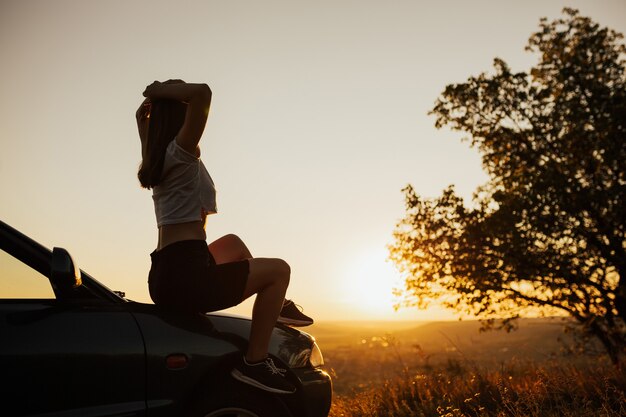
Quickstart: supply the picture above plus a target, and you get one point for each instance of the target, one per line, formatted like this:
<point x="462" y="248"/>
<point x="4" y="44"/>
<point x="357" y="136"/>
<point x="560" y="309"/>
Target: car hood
<point x="175" y="329"/>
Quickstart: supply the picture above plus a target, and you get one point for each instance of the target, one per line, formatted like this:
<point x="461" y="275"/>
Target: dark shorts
<point x="184" y="276"/>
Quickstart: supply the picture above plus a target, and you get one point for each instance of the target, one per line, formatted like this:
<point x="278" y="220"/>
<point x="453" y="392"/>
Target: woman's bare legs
<point x="268" y="278"/>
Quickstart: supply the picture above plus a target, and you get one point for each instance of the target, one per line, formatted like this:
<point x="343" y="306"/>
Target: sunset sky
<point x="318" y="120"/>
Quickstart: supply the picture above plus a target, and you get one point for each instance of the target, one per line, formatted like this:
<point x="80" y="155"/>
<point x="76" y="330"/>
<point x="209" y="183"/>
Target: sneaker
<point x="264" y="375"/>
<point x="292" y="315"/>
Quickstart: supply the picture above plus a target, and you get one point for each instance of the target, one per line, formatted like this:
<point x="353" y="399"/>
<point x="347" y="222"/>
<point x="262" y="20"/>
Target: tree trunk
<point x="614" y="348"/>
<point x="620" y="295"/>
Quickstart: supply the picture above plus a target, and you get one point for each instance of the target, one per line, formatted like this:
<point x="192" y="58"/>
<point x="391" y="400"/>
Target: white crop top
<point x="186" y="192"/>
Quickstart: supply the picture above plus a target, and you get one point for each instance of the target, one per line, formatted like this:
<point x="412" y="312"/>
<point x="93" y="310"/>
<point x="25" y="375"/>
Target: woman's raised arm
<point x="198" y="100"/>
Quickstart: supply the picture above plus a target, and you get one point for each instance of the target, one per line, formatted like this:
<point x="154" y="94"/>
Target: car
<point x="84" y="350"/>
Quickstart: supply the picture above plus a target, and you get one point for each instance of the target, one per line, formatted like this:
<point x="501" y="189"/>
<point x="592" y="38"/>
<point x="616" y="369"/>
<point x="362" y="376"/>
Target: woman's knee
<point x="229" y="248"/>
<point x="269" y="267"/>
<point x="283" y="270"/>
<point x="267" y="272"/>
<point x="232" y="239"/>
<point x="232" y="243"/>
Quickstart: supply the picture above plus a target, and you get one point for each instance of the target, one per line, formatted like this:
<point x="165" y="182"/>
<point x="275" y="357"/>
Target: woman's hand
<point x="175" y="89"/>
<point x="152" y="90"/>
<point x="156" y="87"/>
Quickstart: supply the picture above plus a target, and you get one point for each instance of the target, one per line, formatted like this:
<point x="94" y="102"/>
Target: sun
<point x="367" y="286"/>
<point x="368" y="282"/>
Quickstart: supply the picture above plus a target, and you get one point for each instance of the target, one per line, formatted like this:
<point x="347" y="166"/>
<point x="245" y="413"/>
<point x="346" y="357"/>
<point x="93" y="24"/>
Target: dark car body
<point x="90" y="352"/>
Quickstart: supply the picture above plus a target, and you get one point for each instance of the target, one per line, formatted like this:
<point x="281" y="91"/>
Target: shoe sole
<point x="247" y="380"/>
<point x="294" y="322"/>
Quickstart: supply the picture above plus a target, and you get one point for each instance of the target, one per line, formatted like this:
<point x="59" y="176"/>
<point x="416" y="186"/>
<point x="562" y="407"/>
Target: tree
<point x="547" y="231"/>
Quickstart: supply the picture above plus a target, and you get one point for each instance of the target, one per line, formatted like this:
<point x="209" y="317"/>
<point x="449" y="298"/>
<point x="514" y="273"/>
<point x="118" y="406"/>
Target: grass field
<point x="451" y="369"/>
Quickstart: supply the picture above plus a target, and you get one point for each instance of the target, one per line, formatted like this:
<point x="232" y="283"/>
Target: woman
<point x="186" y="274"/>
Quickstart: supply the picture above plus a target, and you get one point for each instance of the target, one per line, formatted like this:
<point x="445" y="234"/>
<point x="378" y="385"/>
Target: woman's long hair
<point x="166" y="119"/>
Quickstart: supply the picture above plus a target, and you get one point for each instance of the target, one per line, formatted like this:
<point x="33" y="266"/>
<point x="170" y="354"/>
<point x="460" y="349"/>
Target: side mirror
<point x="65" y="274"/>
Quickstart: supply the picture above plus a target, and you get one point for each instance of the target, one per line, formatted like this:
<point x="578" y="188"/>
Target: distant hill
<point x="534" y="339"/>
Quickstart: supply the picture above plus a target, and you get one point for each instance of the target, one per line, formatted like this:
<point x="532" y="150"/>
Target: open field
<point x="451" y="369"/>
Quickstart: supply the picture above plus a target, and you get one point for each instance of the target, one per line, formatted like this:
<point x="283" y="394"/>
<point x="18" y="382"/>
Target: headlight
<point x="316" y="359"/>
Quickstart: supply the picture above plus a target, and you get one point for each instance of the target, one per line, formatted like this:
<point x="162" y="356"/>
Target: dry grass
<point x="384" y="376"/>
<point x="517" y="391"/>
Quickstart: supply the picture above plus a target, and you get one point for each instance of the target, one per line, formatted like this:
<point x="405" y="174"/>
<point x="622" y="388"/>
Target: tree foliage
<point x="547" y="231"/>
